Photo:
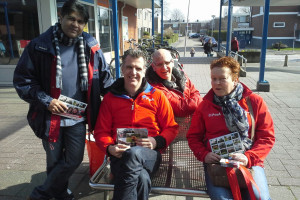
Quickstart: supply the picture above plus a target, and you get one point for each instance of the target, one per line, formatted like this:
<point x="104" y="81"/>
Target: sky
<point x="199" y="9"/>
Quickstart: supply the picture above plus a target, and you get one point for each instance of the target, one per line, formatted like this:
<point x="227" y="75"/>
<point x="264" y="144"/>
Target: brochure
<point x="129" y="136"/>
<point x="226" y="144"/>
<point x="76" y="109"/>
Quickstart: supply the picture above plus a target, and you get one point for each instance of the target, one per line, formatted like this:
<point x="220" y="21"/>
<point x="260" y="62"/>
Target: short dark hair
<point x="134" y="53"/>
<point x="71" y="6"/>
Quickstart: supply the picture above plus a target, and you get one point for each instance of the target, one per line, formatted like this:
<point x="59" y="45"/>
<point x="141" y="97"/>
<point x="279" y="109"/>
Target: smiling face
<point x="133" y="70"/>
<point x="222" y="81"/>
<point x="163" y="64"/>
<point x="72" y="25"/>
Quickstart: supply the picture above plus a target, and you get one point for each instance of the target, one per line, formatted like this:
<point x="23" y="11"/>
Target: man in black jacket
<point x="62" y="61"/>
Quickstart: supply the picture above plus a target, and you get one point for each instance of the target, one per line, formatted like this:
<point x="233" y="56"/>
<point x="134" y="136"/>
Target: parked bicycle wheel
<point x="112" y="68"/>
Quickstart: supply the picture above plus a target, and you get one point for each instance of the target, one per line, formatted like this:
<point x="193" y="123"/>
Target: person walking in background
<point x="175" y="84"/>
<point x="235" y="45"/>
<point x="208" y="48"/>
<point x="134" y="103"/>
<point x="62" y="61"/>
<point x="192" y="52"/>
<point x="225" y="110"/>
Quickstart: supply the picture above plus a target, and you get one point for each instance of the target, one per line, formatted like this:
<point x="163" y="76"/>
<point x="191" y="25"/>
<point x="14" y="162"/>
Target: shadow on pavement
<point x="9" y="129"/>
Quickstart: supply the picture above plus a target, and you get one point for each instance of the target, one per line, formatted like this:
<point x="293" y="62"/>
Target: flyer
<point x="76" y="109"/>
<point x="129" y="136"/>
<point x="226" y="144"/>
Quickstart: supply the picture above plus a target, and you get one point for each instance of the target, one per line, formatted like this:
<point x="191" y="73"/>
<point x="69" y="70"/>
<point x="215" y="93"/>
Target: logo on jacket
<point x="214" y="114"/>
<point x="145" y="97"/>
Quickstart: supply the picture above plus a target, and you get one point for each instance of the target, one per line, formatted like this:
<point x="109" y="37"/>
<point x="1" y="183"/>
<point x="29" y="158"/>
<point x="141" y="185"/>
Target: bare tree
<point x="176" y="14"/>
<point x="157" y="11"/>
<point x="243" y="10"/>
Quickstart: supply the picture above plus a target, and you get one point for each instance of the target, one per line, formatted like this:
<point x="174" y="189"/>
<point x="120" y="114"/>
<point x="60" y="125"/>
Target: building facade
<point x="284" y="25"/>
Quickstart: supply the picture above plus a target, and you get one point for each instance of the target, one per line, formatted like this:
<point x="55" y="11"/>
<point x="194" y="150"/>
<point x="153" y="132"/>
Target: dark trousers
<point x="63" y="157"/>
<point x="132" y="173"/>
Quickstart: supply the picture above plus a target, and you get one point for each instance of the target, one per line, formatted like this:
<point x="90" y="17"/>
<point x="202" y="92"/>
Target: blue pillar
<point x="116" y="36"/>
<point x="152" y="20"/>
<point x="162" y="22"/>
<point x="220" y="24"/>
<point x="263" y="85"/>
<point x="4" y="4"/>
<point x="228" y="38"/>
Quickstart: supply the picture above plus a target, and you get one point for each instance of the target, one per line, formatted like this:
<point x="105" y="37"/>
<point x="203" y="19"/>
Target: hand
<point x="57" y="106"/>
<point x="212" y="158"/>
<point x="239" y="157"/>
<point x="149" y="142"/>
<point x="117" y="150"/>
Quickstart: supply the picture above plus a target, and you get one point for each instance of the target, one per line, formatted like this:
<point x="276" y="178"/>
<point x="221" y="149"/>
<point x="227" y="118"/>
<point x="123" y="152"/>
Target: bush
<point x="146" y="33"/>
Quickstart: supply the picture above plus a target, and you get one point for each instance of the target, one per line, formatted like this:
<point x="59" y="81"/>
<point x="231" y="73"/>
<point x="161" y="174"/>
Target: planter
<point x="252" y="56"/>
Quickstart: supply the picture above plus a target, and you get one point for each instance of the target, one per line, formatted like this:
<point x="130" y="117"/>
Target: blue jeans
<point x="63" y="157"/>
<point x="132" y="173"/>
<point x="221" y="193"/>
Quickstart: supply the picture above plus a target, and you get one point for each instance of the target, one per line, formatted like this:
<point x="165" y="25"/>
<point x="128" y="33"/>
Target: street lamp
<point x="213" y="23"/>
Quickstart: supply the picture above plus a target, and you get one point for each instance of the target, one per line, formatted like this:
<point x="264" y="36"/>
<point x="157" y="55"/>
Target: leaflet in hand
<point x="76" y="109"/>
<point x="227" y="144"/>
<point x="129" y="136"/>
<point x="230" y="163"/>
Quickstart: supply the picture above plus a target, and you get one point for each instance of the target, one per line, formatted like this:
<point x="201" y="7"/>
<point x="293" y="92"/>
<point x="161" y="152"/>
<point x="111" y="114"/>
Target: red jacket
<point x="234" y="45"/>
<point x="150" y="109"/>
<point x="183" y="103"/>
<point x="208" y="122"/>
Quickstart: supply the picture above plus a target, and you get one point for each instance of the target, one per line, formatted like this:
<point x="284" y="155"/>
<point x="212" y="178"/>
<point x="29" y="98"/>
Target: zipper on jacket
<point x="133" y="113"/>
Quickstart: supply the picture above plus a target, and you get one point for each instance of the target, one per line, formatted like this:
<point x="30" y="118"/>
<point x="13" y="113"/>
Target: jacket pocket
<point x="36" y="119"/>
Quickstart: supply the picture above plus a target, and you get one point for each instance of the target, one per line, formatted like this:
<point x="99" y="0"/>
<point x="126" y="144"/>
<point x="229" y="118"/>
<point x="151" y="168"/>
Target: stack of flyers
<point x="227" y="144"/>
<point x="129" y="136"/>
<point x="229" y="163"/>
<point x="76" y="109"/>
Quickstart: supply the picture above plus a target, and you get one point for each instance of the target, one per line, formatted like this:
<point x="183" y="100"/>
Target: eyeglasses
<point x="162" y="64"/>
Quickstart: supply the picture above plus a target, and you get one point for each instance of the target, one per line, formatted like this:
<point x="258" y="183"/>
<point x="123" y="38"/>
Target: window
<point x="23" y="27"/>
<point x="279" y="24"/>
<point x="105" y="29"/>
<point x="261" y="10"/>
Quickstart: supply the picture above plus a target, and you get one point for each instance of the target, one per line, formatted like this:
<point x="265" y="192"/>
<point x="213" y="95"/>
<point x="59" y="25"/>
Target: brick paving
<point x="22" y="158"/>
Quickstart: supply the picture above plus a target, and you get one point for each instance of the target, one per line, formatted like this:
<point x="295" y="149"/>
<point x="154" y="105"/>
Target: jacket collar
<point x="177" y="75"/>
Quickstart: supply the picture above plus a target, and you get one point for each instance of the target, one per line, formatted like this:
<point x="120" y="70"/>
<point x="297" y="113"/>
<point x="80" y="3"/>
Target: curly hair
<point x="229" y="62"/>
<point x="134" y="53"/>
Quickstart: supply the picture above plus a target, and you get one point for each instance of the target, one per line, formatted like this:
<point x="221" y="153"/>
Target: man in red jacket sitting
<point x="175" y="84"/>
<point x="133" y="105"/>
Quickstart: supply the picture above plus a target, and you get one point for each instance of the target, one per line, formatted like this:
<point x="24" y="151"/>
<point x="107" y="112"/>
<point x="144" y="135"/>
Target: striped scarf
<point x="60" y="37"/>
<point x="235" y="116"/>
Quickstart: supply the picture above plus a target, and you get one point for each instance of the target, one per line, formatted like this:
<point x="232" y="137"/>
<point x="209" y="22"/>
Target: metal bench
<point x="180" y="173"/>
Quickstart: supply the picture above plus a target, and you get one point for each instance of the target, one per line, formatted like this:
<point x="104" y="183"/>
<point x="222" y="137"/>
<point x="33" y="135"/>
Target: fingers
<point x="117" y="150"/>
<point x="146" y="142"/>
<point x="212" y="158"/>
<point x="240" y="157"/>
<point x="57" y="106"/>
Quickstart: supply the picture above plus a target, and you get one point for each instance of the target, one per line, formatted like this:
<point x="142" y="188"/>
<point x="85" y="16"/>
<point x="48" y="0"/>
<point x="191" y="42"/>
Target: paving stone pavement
<point x="22" y="158"/>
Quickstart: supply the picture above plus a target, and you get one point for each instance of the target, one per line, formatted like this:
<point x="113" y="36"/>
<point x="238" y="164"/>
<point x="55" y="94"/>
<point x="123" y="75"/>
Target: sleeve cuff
<point x="160" y="142"/>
